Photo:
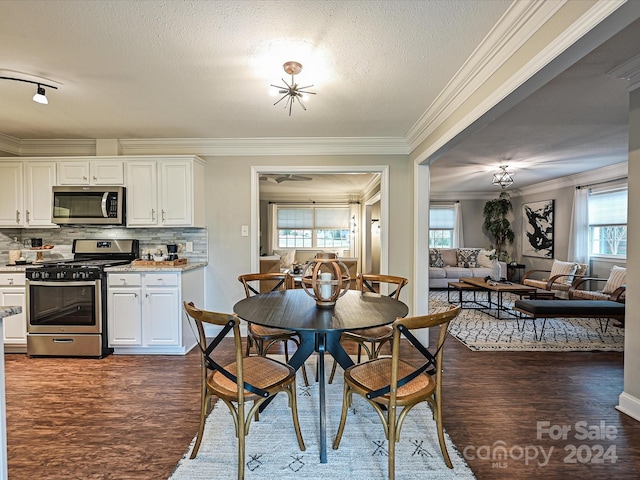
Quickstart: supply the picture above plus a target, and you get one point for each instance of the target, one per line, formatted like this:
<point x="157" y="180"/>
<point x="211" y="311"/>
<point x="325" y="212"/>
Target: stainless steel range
<point x="67" y="300"/>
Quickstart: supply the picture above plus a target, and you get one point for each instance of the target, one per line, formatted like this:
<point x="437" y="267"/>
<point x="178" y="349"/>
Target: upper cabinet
<point x="165" y="192"/>
<point x="91" y="172"/>
<point x="25" y="193"/>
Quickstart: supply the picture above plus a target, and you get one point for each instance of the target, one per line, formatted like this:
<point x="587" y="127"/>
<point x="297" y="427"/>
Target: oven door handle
<point x="53" y="283"/>
<point x="105" y="197"/>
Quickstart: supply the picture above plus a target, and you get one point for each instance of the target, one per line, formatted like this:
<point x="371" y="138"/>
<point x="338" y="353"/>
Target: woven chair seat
<point x="268" y="333"/>
<point x="261" y="372"/>
<point x="589" y="295"/>
<point x="376" y="374"/>
<point x="370" y="334"/>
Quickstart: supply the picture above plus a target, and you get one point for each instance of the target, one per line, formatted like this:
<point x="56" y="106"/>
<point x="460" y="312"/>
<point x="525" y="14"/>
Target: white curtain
<point x="458" y="237"/>
<point x="579" y="228"/>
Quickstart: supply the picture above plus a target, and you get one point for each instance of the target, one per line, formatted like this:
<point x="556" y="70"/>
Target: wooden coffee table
<point x="499" y="288"/>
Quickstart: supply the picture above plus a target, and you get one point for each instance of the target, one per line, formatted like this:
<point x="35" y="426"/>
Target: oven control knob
<point x="35" y="275"/>
<point x="60" y="275"/>
<point x="45" y="275"/>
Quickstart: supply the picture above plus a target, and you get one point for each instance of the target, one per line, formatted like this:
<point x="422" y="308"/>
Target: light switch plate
<point x="244" y="230"/>
<point x="188" y="247"/>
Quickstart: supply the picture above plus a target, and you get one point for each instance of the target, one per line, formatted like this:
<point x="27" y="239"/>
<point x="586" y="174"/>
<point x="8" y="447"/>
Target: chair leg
<point x="391" y="421"/>
<point x="343" y="417"/>
<point x="204" y="407"/>
<point x="241" y="434"/>
<point x="333" y="370"/>
<point x="438" y="411"/>
<point x="294" y="413"/>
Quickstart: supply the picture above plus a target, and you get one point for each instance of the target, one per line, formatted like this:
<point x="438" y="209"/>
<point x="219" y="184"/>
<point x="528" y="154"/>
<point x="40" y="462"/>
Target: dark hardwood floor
<point x="132" y="417"/>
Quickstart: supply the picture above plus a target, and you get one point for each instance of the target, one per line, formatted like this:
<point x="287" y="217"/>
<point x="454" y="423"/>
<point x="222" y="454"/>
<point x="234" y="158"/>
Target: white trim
<point x="9" y="144"/>
<point x="521" y="21"/>
<point x="629" y="405"/>
<point x="421" y="180"/>
<point x="268" y="146"/>
<point x="383" y="170"/>
<point x="629" y="70"/>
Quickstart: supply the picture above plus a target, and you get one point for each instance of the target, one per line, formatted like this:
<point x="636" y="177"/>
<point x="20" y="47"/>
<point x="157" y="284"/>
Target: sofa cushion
<point x="617" y="278"/>
<point x="483" y="257"/>
<point x="437" y="272"/>
<point x="467" y="257"/>
<point x="435" y="258"/>
<point x="568" y="269"/>
<point x="458" y="272"/>
<point x="481" y="272"/>
<point x="449" y="255"/>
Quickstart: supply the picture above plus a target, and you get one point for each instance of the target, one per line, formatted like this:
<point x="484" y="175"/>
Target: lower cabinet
<point x="14" y="327"/>
<point x="144" y="311"/>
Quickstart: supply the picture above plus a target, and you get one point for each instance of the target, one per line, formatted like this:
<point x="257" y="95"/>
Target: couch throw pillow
<point x="435" y="258"/>
<point x="483" y="258"/>
<point x="617" y="278"/>
<point x="468" y="257"/>
<point x="567" y="269"/>
<point x="287" y="257"/>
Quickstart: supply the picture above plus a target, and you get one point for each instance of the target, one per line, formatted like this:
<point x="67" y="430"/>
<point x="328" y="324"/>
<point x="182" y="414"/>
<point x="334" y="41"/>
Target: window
<point x="442" y="221"/>
<point x="608" y="221"/>
<point x="315" y="227"/>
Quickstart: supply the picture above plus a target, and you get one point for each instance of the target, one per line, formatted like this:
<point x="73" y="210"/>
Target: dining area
<point x="326" y="322"/>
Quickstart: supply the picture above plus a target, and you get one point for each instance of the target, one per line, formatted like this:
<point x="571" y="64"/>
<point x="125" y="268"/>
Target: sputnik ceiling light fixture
<point x="40" y="96"/>
<point x="503" y="178"/>
<point x="292" y="92"/>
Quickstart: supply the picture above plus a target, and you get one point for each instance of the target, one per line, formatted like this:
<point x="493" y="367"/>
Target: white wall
<point x="630" y="398"/>
<point x="228" y="191"/>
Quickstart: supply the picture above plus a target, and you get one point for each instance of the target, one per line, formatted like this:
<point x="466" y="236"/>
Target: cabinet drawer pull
<point x="28" y="216"/>
<point x="153" y="215"/>
<point x="17" y="216"/>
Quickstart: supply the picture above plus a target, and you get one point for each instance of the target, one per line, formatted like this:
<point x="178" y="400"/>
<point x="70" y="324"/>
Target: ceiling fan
<point x="287" y="177"/>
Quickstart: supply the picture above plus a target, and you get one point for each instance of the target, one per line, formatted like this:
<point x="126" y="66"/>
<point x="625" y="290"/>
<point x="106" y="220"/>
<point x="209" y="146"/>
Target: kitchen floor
<point x="133" y="417"/>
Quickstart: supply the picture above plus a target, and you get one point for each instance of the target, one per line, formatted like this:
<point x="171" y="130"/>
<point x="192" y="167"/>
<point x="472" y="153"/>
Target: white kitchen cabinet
<point x="40" y="178"/>
<point x="14" y="328"/>
<point x="91" y="172"/>
<point x="25" y="193"/>
<point x="167" y="192"/>
<point x="144" y="311"/>
<point x="11" y="194"/>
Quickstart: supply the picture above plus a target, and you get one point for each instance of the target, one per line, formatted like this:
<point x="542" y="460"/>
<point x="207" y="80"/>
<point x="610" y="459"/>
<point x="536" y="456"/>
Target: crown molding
<point x="287" y="146"/>
<point x="629" y="70"/>
<point x="9" y="144"/>
<point x="227" y="147"/>
<point x="518" y="24"/>
<point x="598" y="175"/>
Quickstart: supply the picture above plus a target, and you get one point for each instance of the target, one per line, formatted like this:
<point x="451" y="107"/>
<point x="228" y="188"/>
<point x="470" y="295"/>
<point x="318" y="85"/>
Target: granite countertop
<point x="8" y="311"/>
<point x="13" y="268"/>
<point x="177" y="268"/>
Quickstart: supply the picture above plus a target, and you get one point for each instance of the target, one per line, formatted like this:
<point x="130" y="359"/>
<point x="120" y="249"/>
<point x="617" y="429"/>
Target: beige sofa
<point x="452" y="269"/>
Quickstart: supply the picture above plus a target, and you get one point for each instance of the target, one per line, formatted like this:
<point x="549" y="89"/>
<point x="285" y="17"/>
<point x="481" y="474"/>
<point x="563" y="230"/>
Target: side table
<point x="515" y="272"/>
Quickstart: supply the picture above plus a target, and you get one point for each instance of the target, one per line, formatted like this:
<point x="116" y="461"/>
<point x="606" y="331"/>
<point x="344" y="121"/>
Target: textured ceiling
<point x="202" y="69"/>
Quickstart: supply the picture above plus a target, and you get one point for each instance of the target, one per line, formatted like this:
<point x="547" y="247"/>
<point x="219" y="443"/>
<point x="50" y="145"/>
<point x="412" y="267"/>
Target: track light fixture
<point x="40" y="96"/>
<point x="503" y="178"/>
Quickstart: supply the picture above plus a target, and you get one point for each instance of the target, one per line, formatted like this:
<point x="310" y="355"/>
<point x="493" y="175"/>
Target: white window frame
<point x="313" y="226"/>
<point x="600" y="192"/>
<point x="451" y="207"/>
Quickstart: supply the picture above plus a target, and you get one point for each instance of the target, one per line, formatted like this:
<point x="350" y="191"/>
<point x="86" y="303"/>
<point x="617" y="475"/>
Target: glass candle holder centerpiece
<point x="325" y="278"/>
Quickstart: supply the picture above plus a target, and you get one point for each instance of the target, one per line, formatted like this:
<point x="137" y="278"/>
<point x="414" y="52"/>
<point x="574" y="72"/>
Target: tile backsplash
<point x="62" y="238"/>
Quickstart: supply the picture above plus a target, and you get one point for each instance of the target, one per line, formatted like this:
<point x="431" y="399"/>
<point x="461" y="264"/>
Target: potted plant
<point x="498" y="227"/>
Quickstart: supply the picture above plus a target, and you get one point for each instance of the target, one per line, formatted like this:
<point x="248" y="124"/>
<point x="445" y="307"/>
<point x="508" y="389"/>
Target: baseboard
<point x="629" y="405"/>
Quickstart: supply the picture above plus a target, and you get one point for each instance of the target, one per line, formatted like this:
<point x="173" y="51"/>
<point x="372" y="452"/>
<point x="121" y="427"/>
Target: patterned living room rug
<point x="480" y="331"/>
<point x="272" y="450"/>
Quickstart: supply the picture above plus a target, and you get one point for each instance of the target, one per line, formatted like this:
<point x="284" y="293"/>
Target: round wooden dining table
<point x="320" y="328"/>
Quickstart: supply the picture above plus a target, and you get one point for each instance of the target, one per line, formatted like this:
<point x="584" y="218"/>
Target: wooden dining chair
<point x="390" y="384"/>
<point x="248" y="379"/>
<point x="372" y="339"/>
<point x="263" y="338"/>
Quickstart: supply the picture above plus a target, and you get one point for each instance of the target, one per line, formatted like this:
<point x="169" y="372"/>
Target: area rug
<point x="480" y="331"/>
<point x="272" y="451"/>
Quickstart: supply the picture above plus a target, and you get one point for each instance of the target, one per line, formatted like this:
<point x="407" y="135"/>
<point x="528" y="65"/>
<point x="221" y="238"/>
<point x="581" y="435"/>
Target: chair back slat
<point x="432" y="365"/>
<point x="276" y="281"/>
<point x="229" y="323"/>
<point x="365" y="281"/>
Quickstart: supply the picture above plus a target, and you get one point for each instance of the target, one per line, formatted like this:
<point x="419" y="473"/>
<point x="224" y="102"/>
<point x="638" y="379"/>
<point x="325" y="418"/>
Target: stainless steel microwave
<point x="83" y="205"/>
